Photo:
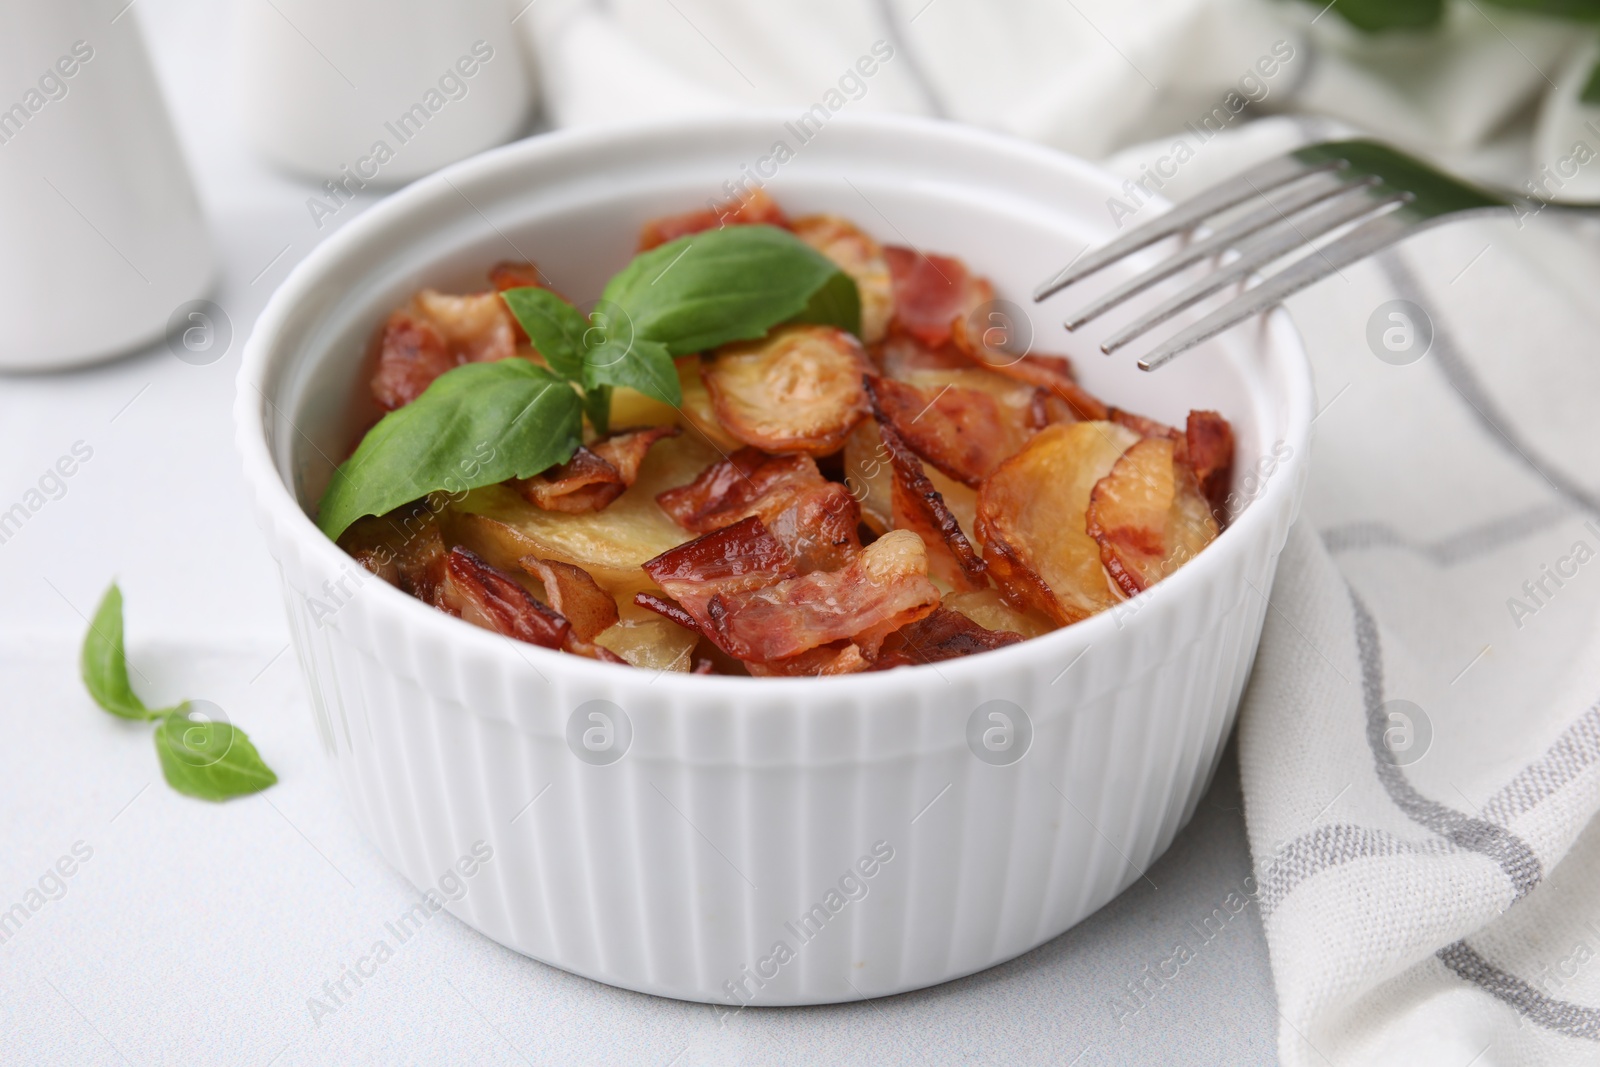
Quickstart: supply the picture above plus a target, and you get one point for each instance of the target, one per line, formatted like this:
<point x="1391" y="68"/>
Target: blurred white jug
<point x="101" y="238"/>
<point x="378" y="91"/>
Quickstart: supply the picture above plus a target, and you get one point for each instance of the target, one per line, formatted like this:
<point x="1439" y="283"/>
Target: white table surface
<point x="196" y="933"/>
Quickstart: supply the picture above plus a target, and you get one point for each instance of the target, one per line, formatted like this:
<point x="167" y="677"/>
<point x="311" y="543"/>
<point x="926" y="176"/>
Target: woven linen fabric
<point x="1420" y="741"/>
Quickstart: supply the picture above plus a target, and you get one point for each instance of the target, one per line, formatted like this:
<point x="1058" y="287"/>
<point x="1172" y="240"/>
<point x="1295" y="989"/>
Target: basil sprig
<point x="482" y="423"/>
<point x="210" y="760"/>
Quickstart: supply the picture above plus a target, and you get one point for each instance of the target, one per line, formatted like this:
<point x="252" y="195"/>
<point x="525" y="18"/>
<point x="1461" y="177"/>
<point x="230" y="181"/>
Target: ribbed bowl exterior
<point x="776" y="841"/>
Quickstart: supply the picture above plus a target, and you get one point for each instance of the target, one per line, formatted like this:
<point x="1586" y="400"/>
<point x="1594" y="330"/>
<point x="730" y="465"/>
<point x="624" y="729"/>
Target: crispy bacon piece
<point x="512" y="274"/>
<point x="572" y="592"/>
<point x="1031" y="520"/>
<point x="1142" y="425"/>
<point x="966" y="433"/>
<point x="919" y="507"/>
<point x="432" y="334"/>
<point x="492" y="599"/>
<point x="859" y="256"/>
<point x="932" y="291"/>
<point x="667" y="608"/>
<point x="885" y="588"/>
<point x="796" y="390"/>
<point x="841" y="657"/>
<point x="489" y="597"/>
<point x="752" y="209"/>
<point x="814" y="519"/>
<point x="405" y="548"/>
<point x="735" y="558"/>
<point x="596" y="474"/>
<point x="1148" y="515"/>
<point x="901" y="356"/>
<point x="1048" y="372"/>
<point x="940" y="636"/>
<point x="1208" y="448"/>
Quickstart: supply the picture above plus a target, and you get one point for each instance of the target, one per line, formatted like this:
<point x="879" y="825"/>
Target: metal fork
<point x="1322" y="187"/>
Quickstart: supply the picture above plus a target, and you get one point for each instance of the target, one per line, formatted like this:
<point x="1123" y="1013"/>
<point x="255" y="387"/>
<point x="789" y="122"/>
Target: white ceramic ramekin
<point x="740" y="807"/>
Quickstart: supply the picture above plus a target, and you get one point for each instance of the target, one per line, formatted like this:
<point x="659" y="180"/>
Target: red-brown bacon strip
<point x="1208" y="448"/>
<point x="574" y="593"/>
<point x="596" y="474"/>
<point x="488" y="597"/>
<point x="966" y="433"/>
<point x="1048" y="372"/>
<point x="814" y="519"/>
<point x="884" y="588"/>
<point x="932" y="291"/>
<point x="943" y="635"/>
<point x="432" y="334"/>
<point x="916" y="505"/>
<point x="752" y="209"/>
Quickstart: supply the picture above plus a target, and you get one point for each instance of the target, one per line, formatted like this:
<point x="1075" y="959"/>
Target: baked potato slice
<point x="796" y="390"/>
<point x="1031" y="520"/>
<point x="1148" y="515"/>
<point x="611" y="545"/>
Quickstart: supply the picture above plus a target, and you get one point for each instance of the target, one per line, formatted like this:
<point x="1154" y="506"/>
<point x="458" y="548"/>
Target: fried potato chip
<point x="859" y="256"/>
<point x="1148" y="515"/>
<point x="796" y="390"/>
<point x="611" y="544"/>
<point x="1031" y="520"/>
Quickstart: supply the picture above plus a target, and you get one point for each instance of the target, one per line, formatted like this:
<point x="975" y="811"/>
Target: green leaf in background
<point x="104" y="665"/>
<point x="1591" y="88"/>
<point x="1574" y="10"/>
<point x="476" y="425"/>
<point x="555" y="327"/>
<point x="733" y="284"/>
<point x="1376" y="16"/>
<point x="209" y="760"/>
<point x="642" y="365"/>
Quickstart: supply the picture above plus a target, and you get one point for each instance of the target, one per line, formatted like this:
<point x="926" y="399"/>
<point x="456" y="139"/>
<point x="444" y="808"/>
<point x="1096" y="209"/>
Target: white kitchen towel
<point x="1420" y="743"/>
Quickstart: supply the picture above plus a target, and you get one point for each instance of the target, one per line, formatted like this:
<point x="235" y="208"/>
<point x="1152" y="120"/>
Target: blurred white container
<point x="101" y="238"/>
<point x="378" y="91"/>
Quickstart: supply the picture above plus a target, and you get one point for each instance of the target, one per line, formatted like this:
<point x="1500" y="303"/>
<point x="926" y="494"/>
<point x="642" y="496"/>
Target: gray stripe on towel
<point x="1562" y="1016"/>
<point x="1513" y="855"/>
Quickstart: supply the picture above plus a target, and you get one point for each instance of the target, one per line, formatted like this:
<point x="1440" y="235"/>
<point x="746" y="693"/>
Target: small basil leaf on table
<point x="476" y="425"/>
<point x="209" y="760"/>
<point x="642" y="365"/>
<point x="733" y="284"/>
<point x="205" y="759"/>
<point x="104" y="664"/>
<point x="555" y="327"/>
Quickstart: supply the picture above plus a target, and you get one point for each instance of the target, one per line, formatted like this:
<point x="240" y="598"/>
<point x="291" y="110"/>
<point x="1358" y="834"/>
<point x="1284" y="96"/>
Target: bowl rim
<point x="278" y="507"/>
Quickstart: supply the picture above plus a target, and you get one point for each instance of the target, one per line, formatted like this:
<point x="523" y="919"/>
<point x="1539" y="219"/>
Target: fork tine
<point x="1356" y="245"/>
<point x="1255" y="254"/>
<point x="1186" y="216"/>
<point x="1268" y="216"/>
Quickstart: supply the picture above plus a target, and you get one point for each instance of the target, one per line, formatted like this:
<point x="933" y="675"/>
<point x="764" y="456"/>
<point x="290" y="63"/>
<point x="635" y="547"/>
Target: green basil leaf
<point x="732" y="284"/>
<point x="555" y="327"/>
<point x="837" y="300"/>
<point x="476" y="425"/>
<point x="209" y="760"/>
<point x="642" y="365"/>
<point x="104" y="664"/>
<point x="1376" y="16"/>
<point x="1591" y="88"/>
<point x="1576" y="10"/>
<point x="597" y="405"/>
